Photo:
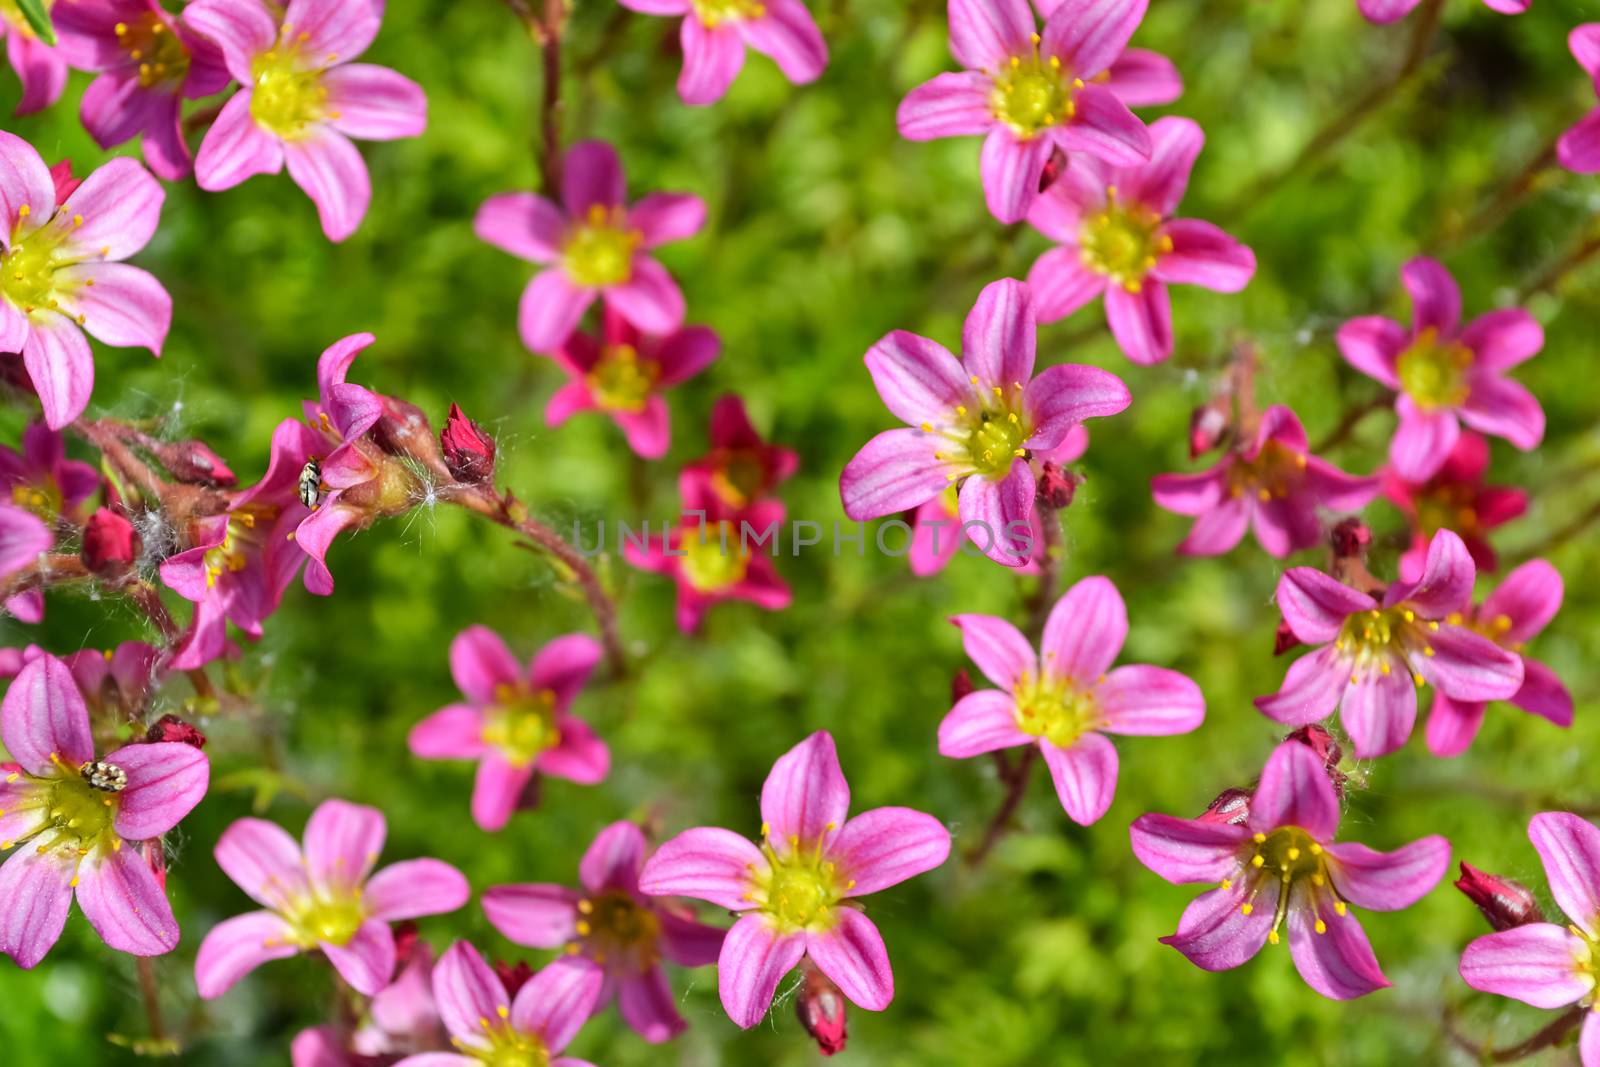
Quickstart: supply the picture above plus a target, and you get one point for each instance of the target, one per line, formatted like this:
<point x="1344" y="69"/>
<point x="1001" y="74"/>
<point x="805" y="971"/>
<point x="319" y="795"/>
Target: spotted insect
<point x="106" y="777"/>
<point x="311" y="483"/>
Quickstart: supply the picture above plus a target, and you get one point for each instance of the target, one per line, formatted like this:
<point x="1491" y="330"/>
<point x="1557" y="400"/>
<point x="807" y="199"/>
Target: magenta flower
<point x="149" y="63"/>
<point x="1376" y="653"/>
<point x="1271" y="483"/>
<point x="624" y="374"/>
<point x="1546" y="964"/>
<point x="60" y="272"/>
<point x="1446" y="375"/>
<point x="488" y="1026"/>
<point x="1384" y="11"/>
<point x="401" y="1019"/>
<point x="115" y="682"/>
<point x="1282" y="863"/>
<point x="1455" y="498"/>
<point x="715" y="33"/>
<point x="23" y="537"/>
<point x="515" y="722"/>
<point x="41" y="69"/>
<point x="1030" y="94"/>
<point x="594" y="244"/>
<point x="741" y="467"/>
<point x="41" y="479"/>
<point x="798" y="893"/>
<point x="300" y="100"/>
<point x="1065" y="701"/>
<point x="321" y="899"/>
<point x="975" y="421"/>
<point x="73" y="814"/>
<point x="1118" y="239"/>
<point x="1579" y="148"/>
<point x="610" y="922"/>
<point x="1516" y="612"/>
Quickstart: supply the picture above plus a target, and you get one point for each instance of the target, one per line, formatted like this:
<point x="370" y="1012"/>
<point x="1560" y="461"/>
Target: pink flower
<point x="1455" y="498"/>
<point x="1446" y="375"/>
<point x="741" y="467"/>
<point x="595" y="244"/>
<point x="611" y="923"/>
<point x="41" y="69"/>
<point x="1579" y="148"/>
<point x="488" y="1026"/>
<point x="150" y="64"/>
<point x="1516" y="612"/>
<point x="1118" y="239"/>
<point x="23" y="538"/>
<point x="1384" y="11"/>
<point x="1031" y="94"/>
<point x="798" y="892"/>
<point x="936" y="530"/>
<point x="975" y="421"/>
<point x="60" y="275"/>
<point x="1283" y="864"/>
<point x="1270" y="482"/>
<point x="1546" y="964"/>
<point x="1065" y="701"/>
<point x="42" y="480"/>
<point x="1376" y="653"/>
<point x="716" y="553"/>
<point x="515" y="722"/>
<point x="73" y="814"/>
<point x="625" y="372"/>
<point x="715" y="33"/>
<point x="320" y="899"/>
<point x="300" y="100"/>
<point x="402" y="1019"/>
<point x="115" y="682"/>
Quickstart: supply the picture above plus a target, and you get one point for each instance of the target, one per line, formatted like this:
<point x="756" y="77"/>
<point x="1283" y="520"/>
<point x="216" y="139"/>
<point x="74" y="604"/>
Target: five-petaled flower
<point x="515" y="722"/>
<point x="487" y="1025"/>
<point x="1579" y="148"/>
<point x="1118" y="239"/>
<point x="1545" y="964"/>
<point x="301" y="100"/>
<point x="1282" y="864"/>
<point x="321" y="898"/>
<point x="1376" y="652"/>
<point x="975" y="421"/>
<point x="1383" y="11"/>
<point x="715" y="33"/>
<point x="1511" y="616"/>
<point x="798" y="892"/>
<point x="742" y="467"/>
<point x="78" y="820"/>
<point x="625" y="372"/>
<point x="1031" y="94"/>
<point x="149" y="63"/>
<point x="1065" y="701"/>
<point x="1455" y="498"/>
<point x="60" y="272"/>
<point x="40" y="68"/>
<point x="612" y="923"/>
<point x="1270" y="483"/>
<point x="39" y="478"/>
<point x="1446" y="374"/>
<point x="594" y="243"/>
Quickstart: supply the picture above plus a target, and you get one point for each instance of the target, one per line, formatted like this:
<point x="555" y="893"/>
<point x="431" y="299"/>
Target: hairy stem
<point x="150" y="990"/>
<point x="1352" y="418"/>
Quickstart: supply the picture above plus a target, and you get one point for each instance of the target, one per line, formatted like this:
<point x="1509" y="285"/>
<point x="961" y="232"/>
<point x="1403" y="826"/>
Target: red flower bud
<point x="960" y="686"/>
<point x="820" y="1007"/>
<point x="172" y="728"/>
<point x="468" y="451"/>
<point x="1056" y="486"/>
<point x="1231" y="808"/>
<point x="1503" y="902"/>
<point x="110" y="543"/>
<point x="403" y="430"/>
<point x="65" y="183"/>
<point x="195" y="463"/>
<point x="1350" y="539"/>
<point x="1208" y="425"/>
<point x="405" y="943"/>
<point x="513" y="975"/>
<point x="1284" y="639"/>
<point x="1320" y="741"/>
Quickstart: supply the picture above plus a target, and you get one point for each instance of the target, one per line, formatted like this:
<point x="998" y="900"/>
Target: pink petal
<point x="1468" y="666"/>
<point x="324" y="1046"/>
<point x="996" y="516"/>
<point x="1310" y="691"/>
<point x="997" y="648"/>
<point x="1388" y="881"/>
<point x="1186" y="850"/>
<point x="165" y="781"/>
<point x="1085" y="776"/>
<point x="985" y="721"/>
<point x="805" y="796"/>
<point x="1204" y="255"/>
<point x="1382" y="12"/>
<point x="707" y="863"/>
<point x="1334" y="489"/>
<point x="116" y="108"/>
<point x="124" y="306"/>
<point x="954" y="104"/>
<point x="984" y="34"/>
<point x="235" y="947"/>
<point x="1175" y="144"/>
<point x="1452" y="725"/>
<point x="688" y="943"/>
<point x="579" y="757"/>
<point x="539" y="916"/>
<point x="375" y="103"/>
<point x="1528" y="599"/>
<point x="1149" y="701"/>
<point x="1502" y="339"/>
<point x="1010" y="170"/>
<point x="38" y="887"/>
<point x="496" y="789"/>
<point x="648" y="431"/>
<point x="1578" y="150"/>
<point x="366" y="961"/>
<point x="561" y="666"/>
<point x="1218" y="530"/>
<point x="1141" y="78"/>
<point x="1078" y="191"/>
<point x="567" y="401"/>
<point x="1447" y="578"/>
<point x="328" y="167"/>
<point x="23" y="536"/>
<point x="1085" y="631"/>
<point x="790" y="36"/>
<point x="481" y="663"/>
<point x="1543" y="694"/>
<point x="1061" y="284"/>
<point x="1141" y="322"/>
<point x="453" y="732"/>
<point x="1570" y="849"/>
<point x="1503" y="408"/>
<point x="40" y="68"/>
<point x="466" y="991"/>
<point x="918" y="379"/>
<point x="1378" y="711"/>
<point x="1215" y="934"/>
<point x="997" y="341"/>
<point x="1089" y="35"/>
<point x="754" y="957"/>
<point x="663" y="217"/>
<point x="342" y="842"/>
<point x="1104" y="128"/>
<point x="43" y="715"/>
<point x="550" y="309"/>
<point x="234" y="147"/>
<point x="241" y="30"/>
<point x="524" y="224"/>
<point x="24" y="179"/>
<point x="712" y="58"/>
<point x="648" y="1006"/>
<point x="263" y="860"/>
<point x="555" y="1003"/>
<point x="1295" y="791"/>
<point x="1589" y="1042"/>
<point x="895" y="471"/>
<point x="1316" y="605"/>
<point x="413" y="888"/>
<point x="1536" y="964"/>
<point x="1337" y="963"/>
<point x="687" y="353"/>
<point x="886" y="846"/>
<point x="334" y="26"/>
<point x="613" y="860"/>
<point x="649" y="299"/>
<point x="1584" y="43"/>
<point x="1371" y="345"/>
<point x="60" y="365"/>
<point x="122" y="900"/>
<point x="853" y="956"/>
<point x="1435" y="298"/>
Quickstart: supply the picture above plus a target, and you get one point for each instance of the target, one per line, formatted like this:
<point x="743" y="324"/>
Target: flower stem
<point x="1496" y="210"/>
<point x="1353" y="417"/>
<point x="1575" y="257"/>
<point x="1016" y="786"/>
<point x="150" y="989"/>
<point x="1548" y="1037"/>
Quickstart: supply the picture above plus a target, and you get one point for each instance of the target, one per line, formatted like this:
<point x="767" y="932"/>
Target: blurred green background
<point x="825" y="231"/>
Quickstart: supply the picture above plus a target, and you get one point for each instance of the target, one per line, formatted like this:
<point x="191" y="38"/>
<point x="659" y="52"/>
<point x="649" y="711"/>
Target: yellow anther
<point x="1294" y="854"/>
<point x="1272" y="937"/>
<point x="1339" y="908"/>
<point x="24" y="211"/>
<point x="1257" y="860"/>
<point x="1321" y="927"/>
<point x="927" y="427"/>
<point x="1246" y="909"/>
<point x="1259" y="837"/>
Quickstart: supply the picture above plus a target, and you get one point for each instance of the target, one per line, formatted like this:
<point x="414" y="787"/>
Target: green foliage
<point x="826" y="231"/>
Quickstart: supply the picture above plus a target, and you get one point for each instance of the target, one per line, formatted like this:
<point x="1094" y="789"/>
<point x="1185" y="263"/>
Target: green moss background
<point x="826" y="231"/>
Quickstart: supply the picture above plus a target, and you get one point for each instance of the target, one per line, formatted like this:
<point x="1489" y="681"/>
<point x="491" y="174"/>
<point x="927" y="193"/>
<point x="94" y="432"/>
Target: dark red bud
<point x="403" y="430"/>
<point x="1503" y="902"/>
<point x="110" y="543"/>
<point x="513" y="975"/>
<point x="820" y="1007"/>
<point x="1208" y="425"/>
<point x="405" y="943"/>
<point x="65" y="183"/>
<point x="1350" y="539"/>
<point x="960" y="686"/>
<point x="1284" y="639"/>
<point x="195" y="463"/>
<point x="1056" y="486"/>
<point x="1054" y="168"/>
<point x="468" y="451"/>
<point x="1320" y="741"/>
<point x="172" y="728"/>
<point x="1231" y="808"/>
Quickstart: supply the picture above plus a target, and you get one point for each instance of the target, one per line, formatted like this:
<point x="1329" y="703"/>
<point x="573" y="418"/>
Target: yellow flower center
<point x="799" y="889"/>
<point x="621" y="381"/>
<point x="713" y="13"/>
<point x="44" y="500"/>
<point x="506" y="1046"/>
<point x="1032" y="93"/>
<point x="161" y="55"/>
<point x="1383" y="639"/>
<point x="287" y="95"/>
<point x="244" y="533"/>
<point x="1290" y="855"/>
<point x="1054" y="709"/>
<point x="522" y="723"/>
<point x="737" y="475"/>
<point x="332" y="916"/>
<point x="599" y="252"/>
<point x="1121" y="241"/>
<point x="1276" y="472"/>
<point x="27" y="270"/>
<point x="987" y="436"/>
<point x="714" y="556"/>
<point x="617" y="933"/>
<point x="1448" y="507"/>
<point x="1434" y="375"/>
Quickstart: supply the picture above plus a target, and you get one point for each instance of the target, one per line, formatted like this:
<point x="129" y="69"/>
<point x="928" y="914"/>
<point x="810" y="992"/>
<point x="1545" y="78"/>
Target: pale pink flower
<point x="1385" y="11"/>
<point x="715" y="33"/>
<point x="1579" y="148"/>
<point x="40" y="68"/>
